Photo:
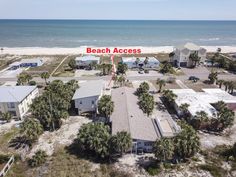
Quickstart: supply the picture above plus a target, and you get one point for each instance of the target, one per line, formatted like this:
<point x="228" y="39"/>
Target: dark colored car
<point x="193" y="78"/>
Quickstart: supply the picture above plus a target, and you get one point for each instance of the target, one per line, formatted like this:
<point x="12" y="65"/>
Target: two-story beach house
<point x="182" y="53"/>
<point x="87" y="95"/>
<point x="17" y="99"/>
<point x="127" y="116"/>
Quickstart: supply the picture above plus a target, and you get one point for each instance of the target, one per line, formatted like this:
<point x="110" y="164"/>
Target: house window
<point x="80" y="102"/>
<point x="11" y="105"/>
<point x="148" y="144"/>
<point x="92" y="102"/>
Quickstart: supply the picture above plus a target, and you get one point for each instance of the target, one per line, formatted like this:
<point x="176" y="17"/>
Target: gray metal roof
<point x="89" y="89"/>
<point x="128" y="117"/>
<point x="15" y="93"/>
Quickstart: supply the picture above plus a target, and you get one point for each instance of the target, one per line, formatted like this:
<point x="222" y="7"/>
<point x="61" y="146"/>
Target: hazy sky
<point x="119" y="9"/>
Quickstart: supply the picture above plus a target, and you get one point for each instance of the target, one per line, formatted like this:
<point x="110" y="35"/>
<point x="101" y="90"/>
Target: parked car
<point x="140" y="72"/>
<point x="146" y="71"/>
<point x="193" y="78"/>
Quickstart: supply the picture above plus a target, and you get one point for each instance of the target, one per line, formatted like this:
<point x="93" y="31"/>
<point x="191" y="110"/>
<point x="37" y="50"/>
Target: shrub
<point x="4" y="158"/>
<point x="38" y="159"/>
<point x="32" y="83"/>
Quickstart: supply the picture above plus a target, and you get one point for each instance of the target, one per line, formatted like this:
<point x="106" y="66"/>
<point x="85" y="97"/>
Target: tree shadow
<point x="74" y="149"/>
<point x="19" y="143"/>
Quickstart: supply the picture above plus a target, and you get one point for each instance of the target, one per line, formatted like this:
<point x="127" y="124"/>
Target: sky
<point x="119" y="9"/>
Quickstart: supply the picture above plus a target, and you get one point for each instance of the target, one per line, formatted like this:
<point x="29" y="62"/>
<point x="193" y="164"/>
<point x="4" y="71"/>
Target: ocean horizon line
<point x="169" y="20"/>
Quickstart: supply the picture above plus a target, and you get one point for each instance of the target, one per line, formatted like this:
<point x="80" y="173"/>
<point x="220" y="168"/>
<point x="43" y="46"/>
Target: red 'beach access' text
<point x="90" y="50"/>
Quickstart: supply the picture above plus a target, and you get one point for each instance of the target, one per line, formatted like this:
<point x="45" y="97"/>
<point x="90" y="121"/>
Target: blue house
<point x="26" y="63"/>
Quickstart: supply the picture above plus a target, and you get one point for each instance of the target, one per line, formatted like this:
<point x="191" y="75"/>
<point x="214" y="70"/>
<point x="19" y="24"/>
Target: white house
<point x="35" y="62"/>
<point x="85" y="61"/>
<point x="203" y="101"/>
<point x="182" y="53"/>
<point x="127" y="116"/>
<point x="17" y="99"/>
<point x="87" y="95"/>
<point x="131" y="62"/>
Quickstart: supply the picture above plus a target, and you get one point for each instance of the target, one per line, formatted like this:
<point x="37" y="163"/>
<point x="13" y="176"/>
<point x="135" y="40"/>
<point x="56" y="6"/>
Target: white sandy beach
<point x="82" y="50"/>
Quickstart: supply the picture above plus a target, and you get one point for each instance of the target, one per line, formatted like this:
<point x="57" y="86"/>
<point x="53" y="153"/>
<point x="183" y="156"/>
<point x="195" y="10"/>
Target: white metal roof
<point x="15" y="93"/>
<point x="189" y="46"/>
<point x="133" y="59"/>
<point x="88" y="58"/>
<point x="89" y="89"/>
<point x="202" y="101"/>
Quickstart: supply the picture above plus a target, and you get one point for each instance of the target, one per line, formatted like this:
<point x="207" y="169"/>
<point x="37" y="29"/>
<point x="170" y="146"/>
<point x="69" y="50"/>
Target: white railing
<point x="7" y="166"/>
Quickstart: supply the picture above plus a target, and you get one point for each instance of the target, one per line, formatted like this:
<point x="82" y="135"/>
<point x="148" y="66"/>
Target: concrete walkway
<point x="181" y="84"/>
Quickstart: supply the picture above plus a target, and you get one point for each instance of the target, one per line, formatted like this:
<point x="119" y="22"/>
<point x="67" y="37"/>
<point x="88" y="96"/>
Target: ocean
<point x="111" y="33"/>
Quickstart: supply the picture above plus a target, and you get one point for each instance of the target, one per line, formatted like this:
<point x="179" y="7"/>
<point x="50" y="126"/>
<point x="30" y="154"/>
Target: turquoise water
<point x="76" y="33"/>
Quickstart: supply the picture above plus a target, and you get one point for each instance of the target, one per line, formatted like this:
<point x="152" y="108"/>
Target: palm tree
<point x="220" y="83"/>
<point x="38" y="159"/>
<point x="226" y="84"/>
<point x="187" y="142"/>
<point x="195" y="58"/>
<point x="6" y="116"/>
<point x="226" y="118"/>
<point x="201" y="119"/>
<point x="143" y="88"/>
<point x="184" y="108"/>
<point x="122" y="68"/>
<point x="220" y="105"/>
<point x="231" y="86"/>
<point x="94" y="137"/>
<point x="146" y="61"/>
<point x="213" y="77"/>
<point x="146" y="103"/>
<point x="171" y="54"/>
<point x="166" y="67"/>
<point x="164" y="149"/>
<point x="121" y="80"/>
<point x="30" y="129"/>
<point x="45" y="76"/>
<point x="106" y="106"/>
<point x="72" y="64"/>
<point x="169" y="95"/>
<point x="121" y="142"/>
<point x="137" y="62"/>
<point x="24" y="78"/>
<point x="161" y="83"/>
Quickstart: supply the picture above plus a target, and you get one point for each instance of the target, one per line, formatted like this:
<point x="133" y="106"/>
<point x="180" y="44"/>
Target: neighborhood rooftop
<point x="88" y="89"/>
<point x="127" y="116"/>
<point x="202" y="101"/>
<point x="190" y="46"/>
<point x="133" y="59"/>
<point x="15" y="93"/>
<point x="33" y="60"/>
<point x="88" y="58"/>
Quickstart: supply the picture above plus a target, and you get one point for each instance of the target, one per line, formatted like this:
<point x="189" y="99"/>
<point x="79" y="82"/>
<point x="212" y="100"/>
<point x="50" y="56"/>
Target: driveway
<point x="200" y="72"/>
<point x="11" y="73"/>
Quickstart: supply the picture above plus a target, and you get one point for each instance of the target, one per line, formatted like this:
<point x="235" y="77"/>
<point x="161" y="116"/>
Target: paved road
<point x="188" y="72"/>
